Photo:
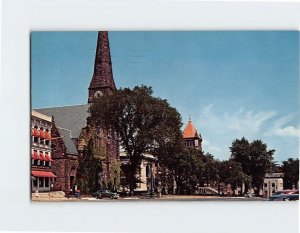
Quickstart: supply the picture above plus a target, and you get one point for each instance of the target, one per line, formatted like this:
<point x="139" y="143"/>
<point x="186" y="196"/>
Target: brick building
<point x="69" y="126"/>
<point x="67" y="123"/>
<point x="42" y="177"/>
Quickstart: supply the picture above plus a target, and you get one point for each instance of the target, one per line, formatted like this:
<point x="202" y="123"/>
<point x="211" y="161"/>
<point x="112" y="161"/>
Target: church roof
<point x="190" y="131"/>
<point x="68" y="117"/>
<point x="69" y="121"/>
<point x="69" y="143"/>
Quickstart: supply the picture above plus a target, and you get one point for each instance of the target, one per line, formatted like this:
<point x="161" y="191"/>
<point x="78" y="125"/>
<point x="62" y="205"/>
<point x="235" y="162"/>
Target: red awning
<point x="47" y="135"/>
<point x="42" y="134"/>
<point x="42" y="157"/>
<point x="36" y="132"/>
<point x="42" y="174"/>
<point x="48" y="158"/>
<point x="36" y="155"/>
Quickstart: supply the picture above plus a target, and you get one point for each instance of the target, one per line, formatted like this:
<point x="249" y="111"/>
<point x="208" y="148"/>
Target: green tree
<point x="290" y="169"/>
<point x="255" y="159"/>
<point x="231" y="172"/>
<point x="185" y="167"/>
<point x="142" y="121"/>
<point x="88" y="169"/>
<point x="210" y="171"/>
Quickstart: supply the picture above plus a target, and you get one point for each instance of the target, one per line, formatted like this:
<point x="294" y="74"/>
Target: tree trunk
<point x="132" y="178"/>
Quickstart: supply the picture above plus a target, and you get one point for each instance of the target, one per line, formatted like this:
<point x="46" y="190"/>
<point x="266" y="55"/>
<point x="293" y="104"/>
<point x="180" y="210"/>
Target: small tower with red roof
<point x="190" y="136"/>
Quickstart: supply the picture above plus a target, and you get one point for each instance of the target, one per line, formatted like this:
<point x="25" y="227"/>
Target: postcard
<point x="164" y="116"/>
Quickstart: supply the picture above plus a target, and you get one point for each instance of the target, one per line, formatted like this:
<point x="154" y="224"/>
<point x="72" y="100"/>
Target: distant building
<point x="146" y="174"/>
<point x="191" y="137"/>
<point x="42" y="177"/>
<point x="273" y="182"/>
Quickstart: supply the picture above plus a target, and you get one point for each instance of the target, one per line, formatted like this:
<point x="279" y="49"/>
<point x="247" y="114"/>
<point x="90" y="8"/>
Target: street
<point x="181" y="198"/>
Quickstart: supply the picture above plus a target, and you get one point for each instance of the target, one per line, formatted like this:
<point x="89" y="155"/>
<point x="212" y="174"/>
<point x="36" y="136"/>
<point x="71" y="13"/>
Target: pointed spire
<point x="190" y="130"/>
<point x="103" y="76"/>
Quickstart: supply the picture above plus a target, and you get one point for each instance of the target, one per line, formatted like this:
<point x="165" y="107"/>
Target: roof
<point x="69" y="121"/>
<point x="40" y="116"/>
<point x="190" y="131"/>
<point x="43" y="174"/>
<point x="66" y="137"/>
<point x="68" y="117"/>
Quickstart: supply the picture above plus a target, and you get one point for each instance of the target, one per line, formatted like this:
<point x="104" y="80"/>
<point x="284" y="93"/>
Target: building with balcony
<point x="42" y="177"/>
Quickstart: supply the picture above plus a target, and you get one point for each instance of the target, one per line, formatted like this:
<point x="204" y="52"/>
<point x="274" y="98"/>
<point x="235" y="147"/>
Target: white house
<point x="273" y="182"/>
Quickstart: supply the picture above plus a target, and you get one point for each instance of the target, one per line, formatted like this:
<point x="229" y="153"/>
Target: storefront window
<point x="35" y="182"/>
<point x="47" y="182"/>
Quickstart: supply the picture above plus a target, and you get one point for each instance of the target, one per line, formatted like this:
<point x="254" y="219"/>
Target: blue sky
<point x="233" y="83"/>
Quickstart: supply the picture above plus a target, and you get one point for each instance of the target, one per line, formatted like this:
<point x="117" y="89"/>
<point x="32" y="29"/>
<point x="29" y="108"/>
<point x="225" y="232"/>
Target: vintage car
<point x="284" y="197"/>
<point x="105" y="193"/>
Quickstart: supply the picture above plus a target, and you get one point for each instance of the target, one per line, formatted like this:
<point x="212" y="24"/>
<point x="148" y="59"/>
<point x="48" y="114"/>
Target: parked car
<point x="287" y="191"/>
<point x="284" y="197"/>
<point x="105" y="193"/>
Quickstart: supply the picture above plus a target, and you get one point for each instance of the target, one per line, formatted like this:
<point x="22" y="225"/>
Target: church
<point x="69" y="137"/>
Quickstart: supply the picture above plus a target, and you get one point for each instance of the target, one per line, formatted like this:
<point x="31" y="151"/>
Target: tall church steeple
<point x="102" y="82"/>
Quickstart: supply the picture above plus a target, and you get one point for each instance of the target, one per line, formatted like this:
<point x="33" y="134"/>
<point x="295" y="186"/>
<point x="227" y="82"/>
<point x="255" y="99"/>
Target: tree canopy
<point x="290" y="168"/>
<point x="255" y="159"/>
<point x="142" y="121"/>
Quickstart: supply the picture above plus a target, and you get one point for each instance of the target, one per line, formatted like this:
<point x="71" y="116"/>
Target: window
<point x="47" y="182"/>
<point x="147" y="170"/>
<point x="273" y="185"/>
<point x="35" y="182"/>
<point x="266" y="185"/>
<point x="36" y="139"/>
